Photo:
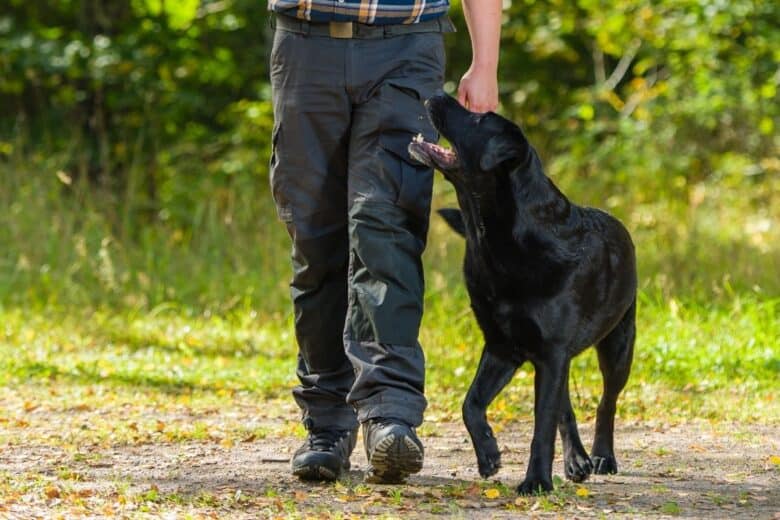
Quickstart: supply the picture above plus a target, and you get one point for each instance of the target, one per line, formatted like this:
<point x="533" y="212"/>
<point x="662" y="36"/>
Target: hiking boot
<point x="394" y="452"/>
<point x="324" y="454"/>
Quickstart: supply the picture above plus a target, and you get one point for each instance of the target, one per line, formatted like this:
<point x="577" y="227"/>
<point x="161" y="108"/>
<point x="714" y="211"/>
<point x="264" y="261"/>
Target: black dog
<point x="546" y="279"/>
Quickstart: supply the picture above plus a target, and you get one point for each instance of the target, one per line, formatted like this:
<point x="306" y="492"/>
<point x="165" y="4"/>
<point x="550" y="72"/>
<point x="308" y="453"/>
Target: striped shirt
<point x="379" y="12"/>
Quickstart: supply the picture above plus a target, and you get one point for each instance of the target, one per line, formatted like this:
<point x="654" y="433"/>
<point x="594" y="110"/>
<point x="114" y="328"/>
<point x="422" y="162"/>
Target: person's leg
<point x="389" y="205"/>
<point x="309" y="185"/>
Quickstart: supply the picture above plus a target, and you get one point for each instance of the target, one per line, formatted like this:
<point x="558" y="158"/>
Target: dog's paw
<point x="488" y="458"/>
<point x="489" y="465"/>
<point x="604" y="465"/>
<point x="577" y="467"/>
<point x="535" y="486"/>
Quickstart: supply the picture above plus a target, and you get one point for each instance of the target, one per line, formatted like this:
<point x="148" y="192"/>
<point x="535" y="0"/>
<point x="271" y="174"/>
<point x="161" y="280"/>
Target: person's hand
<point x="478" y="89"/>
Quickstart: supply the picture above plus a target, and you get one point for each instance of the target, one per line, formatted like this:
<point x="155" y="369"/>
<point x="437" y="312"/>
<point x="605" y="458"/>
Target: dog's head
<point x="483" y="145"/>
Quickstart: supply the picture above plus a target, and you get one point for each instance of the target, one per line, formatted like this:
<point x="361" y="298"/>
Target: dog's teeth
<point x="418" y="138"/>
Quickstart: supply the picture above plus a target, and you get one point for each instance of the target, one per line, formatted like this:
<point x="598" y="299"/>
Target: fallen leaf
<point x="492" y="493"/>
<point x="52" y="491"/>
<point x="521" y="502"/>
<point x="473" y="490"/>
<point x="582" y="492"/>
<point x="775" y="459"/>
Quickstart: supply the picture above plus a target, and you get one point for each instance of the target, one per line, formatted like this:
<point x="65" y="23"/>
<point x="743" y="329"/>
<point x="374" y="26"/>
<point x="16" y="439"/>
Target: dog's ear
<point x="454" y="218"/>
<point x="501" y="148"/>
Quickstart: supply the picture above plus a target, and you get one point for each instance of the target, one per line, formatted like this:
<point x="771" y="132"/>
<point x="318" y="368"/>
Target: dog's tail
<point x="454" y="218"/>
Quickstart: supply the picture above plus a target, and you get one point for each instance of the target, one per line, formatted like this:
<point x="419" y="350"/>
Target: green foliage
<point x="693" y="79"/>
<point x="134" y="137"/>
<point x="160" y="104"/>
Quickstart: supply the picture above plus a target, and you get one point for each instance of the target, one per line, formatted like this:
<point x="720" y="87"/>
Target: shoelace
<point x="325" y="440"/>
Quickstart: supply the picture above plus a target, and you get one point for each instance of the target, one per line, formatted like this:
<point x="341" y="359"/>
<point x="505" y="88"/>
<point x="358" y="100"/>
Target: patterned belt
<point x="359" y="30"/>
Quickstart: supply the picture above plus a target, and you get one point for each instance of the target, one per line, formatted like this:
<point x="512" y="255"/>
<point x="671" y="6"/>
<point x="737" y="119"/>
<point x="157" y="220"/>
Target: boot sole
<point x="317" y="472"/>
<point x="394" y="458"/>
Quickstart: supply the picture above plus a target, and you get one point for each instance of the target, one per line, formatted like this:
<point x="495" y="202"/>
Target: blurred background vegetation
<point x="134" y="141"/>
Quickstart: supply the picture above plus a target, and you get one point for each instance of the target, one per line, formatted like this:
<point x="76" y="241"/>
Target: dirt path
<point x="694" y="470"/>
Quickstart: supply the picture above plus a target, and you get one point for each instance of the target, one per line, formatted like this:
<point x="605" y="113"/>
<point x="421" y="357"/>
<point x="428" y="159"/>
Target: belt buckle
<point x="340" y="29"/>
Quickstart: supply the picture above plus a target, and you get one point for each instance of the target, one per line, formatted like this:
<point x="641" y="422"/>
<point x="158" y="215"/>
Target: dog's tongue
<point x="432" y="154"/>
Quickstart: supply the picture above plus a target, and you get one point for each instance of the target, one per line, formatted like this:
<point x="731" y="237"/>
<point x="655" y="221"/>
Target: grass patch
<point x="169" y="374"/>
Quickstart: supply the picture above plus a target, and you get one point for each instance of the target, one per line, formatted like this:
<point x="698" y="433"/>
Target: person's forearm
<point x="478" y="88"/>
<point x="483" y="18"/>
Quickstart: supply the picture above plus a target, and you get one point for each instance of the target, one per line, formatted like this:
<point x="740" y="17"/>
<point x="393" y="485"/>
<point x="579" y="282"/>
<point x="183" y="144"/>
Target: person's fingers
<point x="462" y="98"/>
<point x="477" y="94"/>
<point x="485" y="103"/>
<point x="488" y="106"/>
<point x="479" y="106"/>
<point x="482" y="105"/>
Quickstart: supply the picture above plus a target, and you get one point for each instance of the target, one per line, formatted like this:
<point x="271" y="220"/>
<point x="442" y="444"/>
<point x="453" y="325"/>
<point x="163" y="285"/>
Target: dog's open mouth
<point x="433" y="155"/>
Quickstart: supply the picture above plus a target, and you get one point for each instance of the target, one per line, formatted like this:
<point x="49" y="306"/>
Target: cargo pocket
<point x="276" y="178"/>
<point x="403" y="117"/>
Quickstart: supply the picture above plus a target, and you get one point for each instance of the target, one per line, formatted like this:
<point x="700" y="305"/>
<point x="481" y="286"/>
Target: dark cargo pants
<point x="356" y="207"/>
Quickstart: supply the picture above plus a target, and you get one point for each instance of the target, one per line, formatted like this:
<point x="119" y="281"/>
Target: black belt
<point x="359" y="30"/>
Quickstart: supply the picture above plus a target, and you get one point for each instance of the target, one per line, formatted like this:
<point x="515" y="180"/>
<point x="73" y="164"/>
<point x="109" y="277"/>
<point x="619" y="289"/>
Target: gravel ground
<point x="691" y="470"/>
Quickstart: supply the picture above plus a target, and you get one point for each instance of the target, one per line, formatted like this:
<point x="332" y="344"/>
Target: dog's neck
<point x="489" y="214"/>
<point x="536" y="199"/>
<point x="520" y="199"/>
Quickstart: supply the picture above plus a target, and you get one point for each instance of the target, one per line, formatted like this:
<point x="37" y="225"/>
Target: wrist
<point x="484" y="66"/>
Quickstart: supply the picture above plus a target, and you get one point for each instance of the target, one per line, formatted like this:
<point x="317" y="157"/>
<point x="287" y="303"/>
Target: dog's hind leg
<point x="577" y="466"/>
<point x="493" y="374"/>
<point x="616" y="352"/>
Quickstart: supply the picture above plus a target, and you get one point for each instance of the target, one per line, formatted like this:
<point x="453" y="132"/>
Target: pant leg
<point x="389" y="204"/>
<point x="309" y="185"/>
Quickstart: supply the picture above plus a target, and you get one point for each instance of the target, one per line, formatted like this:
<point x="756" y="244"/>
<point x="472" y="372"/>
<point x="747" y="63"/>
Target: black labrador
<point x="547" y="279"/>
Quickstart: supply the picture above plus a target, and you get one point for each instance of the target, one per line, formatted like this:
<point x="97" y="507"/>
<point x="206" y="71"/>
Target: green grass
<point x="692" y="361"/>
<point x="73" y="245"/>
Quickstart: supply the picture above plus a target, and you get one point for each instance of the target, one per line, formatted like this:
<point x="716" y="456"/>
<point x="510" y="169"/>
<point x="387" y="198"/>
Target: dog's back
<point x="584" y="261"/>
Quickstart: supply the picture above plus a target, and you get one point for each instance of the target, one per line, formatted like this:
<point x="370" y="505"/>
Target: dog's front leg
<point x="549" y="381"/>
<point x="492" y="376"/>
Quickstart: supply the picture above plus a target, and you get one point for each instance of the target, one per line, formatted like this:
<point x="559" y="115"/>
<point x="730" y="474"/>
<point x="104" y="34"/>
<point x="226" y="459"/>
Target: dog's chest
<point x="510" y="289"/>
<point x="516" y="322"/>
